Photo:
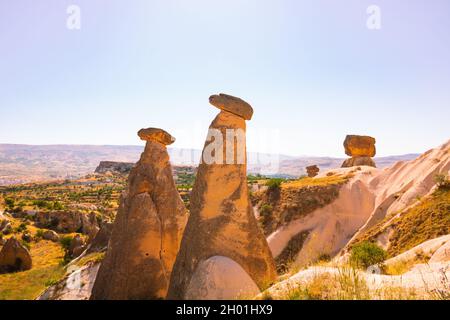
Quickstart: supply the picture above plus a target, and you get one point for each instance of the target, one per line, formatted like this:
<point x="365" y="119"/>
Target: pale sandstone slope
<point x="363" y="201"/>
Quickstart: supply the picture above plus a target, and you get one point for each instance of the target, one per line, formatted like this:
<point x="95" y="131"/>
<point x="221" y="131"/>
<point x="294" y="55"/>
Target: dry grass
<point x="347" y="284"/>
<point x="321" y="182"/>
<point x="92" y="257"/>
<point x="428" y="219"/>
<point x="47" y="269"/>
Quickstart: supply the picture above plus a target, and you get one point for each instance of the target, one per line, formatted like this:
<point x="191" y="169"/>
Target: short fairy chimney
<point x="361" y="149"/>
<point x="147" y="231"/>
<point x="312" y="171"/>
<point x="223" y="254"/>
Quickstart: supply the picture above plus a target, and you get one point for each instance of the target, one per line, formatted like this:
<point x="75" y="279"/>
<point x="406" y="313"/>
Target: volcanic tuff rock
<point x="6" y="227"/>
<point x="232" y="104"/>
<point x="67" y="221"/>
<point x="358" y="161"/>
<point x="156" y="135"/>
<point x="100" y="241"/>
<point x="361" y="149"/>
<point x="77" y="246"/>
<point x="147" y="231"/>
<point x="14" y="257"/>
<point x="312" y="171"/>
<point x="221" y="224"/>
<point x="112" y="166"/>
<point x="359" y="146"/>
<point x="66" y="289"/>
<point x="50" y="235"/>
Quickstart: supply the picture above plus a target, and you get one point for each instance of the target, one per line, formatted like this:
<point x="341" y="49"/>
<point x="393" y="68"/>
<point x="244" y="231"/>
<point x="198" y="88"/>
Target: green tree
<point x="366" y="254"/>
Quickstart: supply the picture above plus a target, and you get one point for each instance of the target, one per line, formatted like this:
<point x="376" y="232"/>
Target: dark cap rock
<point x="157" y="135"/>
<point x="232" y="104"/>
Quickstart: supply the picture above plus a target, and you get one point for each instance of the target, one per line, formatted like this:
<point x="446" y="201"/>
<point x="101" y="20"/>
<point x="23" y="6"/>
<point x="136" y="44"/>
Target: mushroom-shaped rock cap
<point x="157" y="135"/>
<point x="359" y="146"/>
<point x="232" y="104"/>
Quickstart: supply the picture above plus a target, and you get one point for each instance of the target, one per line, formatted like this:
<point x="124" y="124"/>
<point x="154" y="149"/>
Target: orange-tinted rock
<point x="77" y="246"/>
<point x="359" y="146"/>
<point x="232" y="104"/>
<point x="146" y="233"/>
<point x="156" y="135"/>
<point x="67" y="221"/>
<point x="359" y="161"/>
<point x="312" y="171"/>
<point x="14" y="257"/>
<point x="99" y="242"/>
<point x="221" y="223"/>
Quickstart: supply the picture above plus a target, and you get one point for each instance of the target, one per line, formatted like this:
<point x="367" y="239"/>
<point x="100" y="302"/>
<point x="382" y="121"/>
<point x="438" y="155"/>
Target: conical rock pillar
<point x="222" y="228"/>
<point x="147" y="231"/>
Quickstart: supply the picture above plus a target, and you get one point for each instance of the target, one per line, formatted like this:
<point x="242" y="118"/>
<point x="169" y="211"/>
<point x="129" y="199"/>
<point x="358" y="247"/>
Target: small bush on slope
<point x="274" y="184"/>
<point x="427" y="220"/>
<point x="367" y="254"/>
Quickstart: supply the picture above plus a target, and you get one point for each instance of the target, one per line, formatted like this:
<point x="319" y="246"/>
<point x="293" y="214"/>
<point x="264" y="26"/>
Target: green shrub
<point x="39" y="233"/>
<point x="66" y="241"/>
<point x="10" y="203"/>
<point x="57" y="205"/>
<point x="366" y="254"/>
<point x="274" y="184"/>
<point x="22" y="227"/>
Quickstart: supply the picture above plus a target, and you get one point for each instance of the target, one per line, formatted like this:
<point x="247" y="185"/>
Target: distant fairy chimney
<point x="312" y="171"/>
<point x="361" y="149"/>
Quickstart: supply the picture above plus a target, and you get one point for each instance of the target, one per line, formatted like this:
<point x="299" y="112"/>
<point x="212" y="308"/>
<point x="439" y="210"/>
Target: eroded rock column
<point x="148" y="228"/>
<point x="361" y="149"/>
<point x="222" y="232"/>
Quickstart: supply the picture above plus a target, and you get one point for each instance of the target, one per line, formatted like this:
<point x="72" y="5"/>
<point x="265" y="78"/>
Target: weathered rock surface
<point x="156" y="135"/>
<point x="147" y="231"/>
<point x="67" y="221"/>
<point x="361" y="149"/>
<point x="100" y="241"/>
<point x="359" y="161"/>
<point x="222" y="222"/>
<point x="442" y="254"/>
<point x="14" y="257"/>
<point x="76" y="285"/>
<point x="359" y="146"/>
<point x="221" y="278"/>
<point x="77" y="246"/>
<point x="50" y="235"/>
<point x="112" y="166"/>
<point x="3" y="223"/>
<point x="6" y="227"/>
<point x="232" y="104"/>
<point x="312" y="171"/>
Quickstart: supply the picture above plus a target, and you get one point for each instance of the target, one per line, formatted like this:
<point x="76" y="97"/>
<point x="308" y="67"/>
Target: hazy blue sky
<point x="311" y="69"/>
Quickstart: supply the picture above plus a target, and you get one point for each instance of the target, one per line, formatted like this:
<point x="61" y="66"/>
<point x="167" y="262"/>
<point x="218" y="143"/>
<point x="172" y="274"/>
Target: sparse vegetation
<point x="428" y="219"/>
<point x="47" y="269"/>
<point x="347" y="284"/>
<point x="91" y="258"/>
<point x="442" y="181"/>
<point x="286" y="258"/>
<point x="274" y="184"/>
<point x="366" y="254"/>
<point x="322" y="181"/>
